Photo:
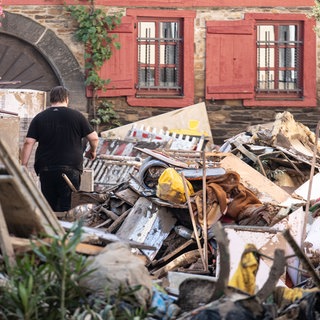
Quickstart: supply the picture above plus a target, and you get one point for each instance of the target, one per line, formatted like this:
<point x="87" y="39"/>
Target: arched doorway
<point x="37" y="59"/>
<point x="23" y="67"/>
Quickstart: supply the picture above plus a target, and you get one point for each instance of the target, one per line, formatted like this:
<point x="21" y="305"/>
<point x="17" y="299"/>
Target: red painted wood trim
<point x="230" y="51"/>
<point x="307" y="102"/>
<point x="188" y="58"/>
<point x="226" y="27"/>
<point x="169" y="103"/>
<point x="242" y="88"/>
<point x="164" y="13"/>
<point x="168" y="3"/>
<point x="276" y="16"/>
<point x="309" y="63"/>
<point x="119" y="68"/>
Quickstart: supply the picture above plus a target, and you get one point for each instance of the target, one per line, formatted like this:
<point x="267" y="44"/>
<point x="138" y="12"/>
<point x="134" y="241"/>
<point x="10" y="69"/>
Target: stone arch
<point x="42" y="46"/>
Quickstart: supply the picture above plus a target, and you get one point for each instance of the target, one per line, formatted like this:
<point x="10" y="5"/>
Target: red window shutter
<point x="230" y="60"/>
<point x="120" y="67"/>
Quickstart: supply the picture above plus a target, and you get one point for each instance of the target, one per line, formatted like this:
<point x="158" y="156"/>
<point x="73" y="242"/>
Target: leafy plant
<point x="315" y="13"/>
<point x="93" y="30"/>
<point x="45" y="284"/>
<point x="105" y="114"/>
<point x="94" y="27"/>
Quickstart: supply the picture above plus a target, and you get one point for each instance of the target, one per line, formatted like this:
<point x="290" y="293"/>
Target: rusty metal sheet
<point x="149" y="224"/>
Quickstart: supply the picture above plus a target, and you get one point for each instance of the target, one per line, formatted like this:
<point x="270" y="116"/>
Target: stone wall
<point x="227" y="118"/>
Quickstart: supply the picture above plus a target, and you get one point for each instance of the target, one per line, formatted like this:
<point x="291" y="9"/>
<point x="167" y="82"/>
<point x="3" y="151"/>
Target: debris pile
<point x="223" y="230"/>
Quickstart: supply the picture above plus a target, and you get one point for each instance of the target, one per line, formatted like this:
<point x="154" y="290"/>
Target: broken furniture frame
<point x="266" y="155"/>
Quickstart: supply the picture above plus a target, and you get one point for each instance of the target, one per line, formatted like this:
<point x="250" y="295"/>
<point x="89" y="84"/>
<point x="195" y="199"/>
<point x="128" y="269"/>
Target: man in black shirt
<point x="59" y="131"/>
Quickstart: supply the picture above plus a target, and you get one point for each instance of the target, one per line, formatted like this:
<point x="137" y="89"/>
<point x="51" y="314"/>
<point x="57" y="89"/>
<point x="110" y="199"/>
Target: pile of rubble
<point x="223" y="230"/>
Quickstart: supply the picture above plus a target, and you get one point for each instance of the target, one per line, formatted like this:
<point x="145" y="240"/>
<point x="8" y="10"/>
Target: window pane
<point x="147" y="53"/>
<point x="287" y="57"/>
<point x="169" y="30"/>
<point x="168" y="54"/>
<point x="278" y="59"/>
<point x="288" y="34"/>
<point x="159" y="62"/>
<point x="146" y="77"/>
<point x="168" y="77"/>
<point x="266" y="80"/>
<point x="147" y="30"/>
<point x="265" y="33"/>
<point x="266" y="57"/>
<point x="288" y="79"/>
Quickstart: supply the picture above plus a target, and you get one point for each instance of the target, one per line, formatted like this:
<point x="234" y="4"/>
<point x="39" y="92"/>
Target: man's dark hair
<point x="58" y="94"/>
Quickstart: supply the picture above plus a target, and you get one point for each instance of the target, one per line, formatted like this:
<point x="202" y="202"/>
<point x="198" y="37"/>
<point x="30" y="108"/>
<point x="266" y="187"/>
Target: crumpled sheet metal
<point x="147" y="223"/>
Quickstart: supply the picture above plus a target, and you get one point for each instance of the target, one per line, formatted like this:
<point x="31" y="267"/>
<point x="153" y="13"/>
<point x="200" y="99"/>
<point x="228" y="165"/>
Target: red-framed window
<point x="155" y="64"/>
<point x="279" y="60"/>
<point x="265" y="60"/>
<point x="160" y="62"/>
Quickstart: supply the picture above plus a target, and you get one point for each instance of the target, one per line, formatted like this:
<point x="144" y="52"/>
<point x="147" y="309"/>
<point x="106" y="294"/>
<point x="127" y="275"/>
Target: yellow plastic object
<point x="193" y="129"/>
<point x="170" y="187"/>
<point x="285" y="296"/>
<point x="245" y="276"/>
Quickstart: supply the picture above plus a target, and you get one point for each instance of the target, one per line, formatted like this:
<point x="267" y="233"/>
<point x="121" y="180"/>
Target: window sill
<point x="305" y="102"/>
<point x="165" y="102"/>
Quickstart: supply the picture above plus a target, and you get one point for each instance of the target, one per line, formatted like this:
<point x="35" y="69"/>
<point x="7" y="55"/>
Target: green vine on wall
<point x="315" y="13"/>
<point x="93" y="30"/>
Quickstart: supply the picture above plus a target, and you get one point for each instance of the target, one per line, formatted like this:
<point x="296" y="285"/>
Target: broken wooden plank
<point x="128" y="195"/>
<point x="116" y="223"/>
<point x="30" y="193"/>
<point x="5" y="243"/>
<point x="171" y="254"/>
<point x="161" y="156"/>
<point x="22" y="245"/>
<point x="23" y="217"/>
<point x="108" y="237"/>
<point x="182" y="260"/>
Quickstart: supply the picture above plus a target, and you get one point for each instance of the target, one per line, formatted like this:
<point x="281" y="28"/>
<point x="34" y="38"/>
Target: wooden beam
<point x="5" y="242"/>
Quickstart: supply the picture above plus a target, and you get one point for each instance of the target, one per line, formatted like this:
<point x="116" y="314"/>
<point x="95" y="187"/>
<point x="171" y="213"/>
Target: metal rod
<point x="204" y="211"/>
<point x="193" y="219"/>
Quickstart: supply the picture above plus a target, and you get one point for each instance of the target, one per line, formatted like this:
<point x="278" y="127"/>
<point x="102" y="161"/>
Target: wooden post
<point x="6" y="244"/>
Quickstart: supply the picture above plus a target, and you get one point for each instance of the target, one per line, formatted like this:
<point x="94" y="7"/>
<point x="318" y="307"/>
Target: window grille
<point x="279" y="59"/>
<point x="159" y="57"/>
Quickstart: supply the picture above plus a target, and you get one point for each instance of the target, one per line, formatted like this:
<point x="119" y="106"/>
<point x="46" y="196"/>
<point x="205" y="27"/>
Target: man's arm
<point x="26" y="150"/>
<point x="93" y="141"/>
